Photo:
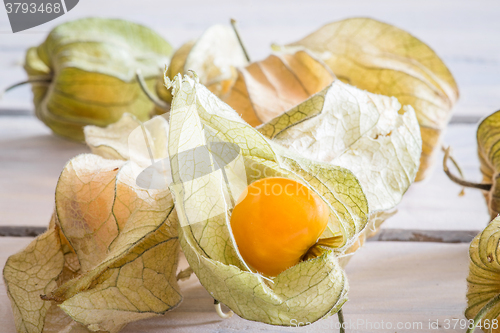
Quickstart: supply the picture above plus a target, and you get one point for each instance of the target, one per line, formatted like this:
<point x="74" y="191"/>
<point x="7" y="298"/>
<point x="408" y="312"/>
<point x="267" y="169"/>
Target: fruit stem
<point x="159" y="103"/>
<point x="234" y="23"/>
<point x="341" y="321"/>
<point x="15" y="85"/>
<point x="493" y="302"/>
<point x="457" y="166"/>
<point x="219" y="311"/>
<point x="455" y="179"/>
<point x="317" y="249"/>
<point x="455" y="163"/>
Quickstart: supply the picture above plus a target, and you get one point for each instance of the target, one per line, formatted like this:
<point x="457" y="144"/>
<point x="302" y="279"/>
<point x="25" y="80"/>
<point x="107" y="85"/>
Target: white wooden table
<point x="394" y="282"/>
<point x="391" y="283"/>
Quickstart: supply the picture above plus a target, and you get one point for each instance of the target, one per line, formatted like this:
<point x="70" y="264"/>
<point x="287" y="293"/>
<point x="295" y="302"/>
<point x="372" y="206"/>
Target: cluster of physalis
<point x="258" y="172"/>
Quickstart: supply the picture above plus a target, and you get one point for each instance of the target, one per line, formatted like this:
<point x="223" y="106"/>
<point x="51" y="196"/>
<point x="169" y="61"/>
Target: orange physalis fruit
<point x="275" y="222"/>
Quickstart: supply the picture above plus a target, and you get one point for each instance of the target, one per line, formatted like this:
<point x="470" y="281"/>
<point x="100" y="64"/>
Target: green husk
<point x="91" y="65"/>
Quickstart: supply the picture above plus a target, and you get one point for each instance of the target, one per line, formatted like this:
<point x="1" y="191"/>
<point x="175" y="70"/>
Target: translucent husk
<point x="214" y="57"/>
<point x="91" y="65"/>
<point x="110" y="254"/>
<point x="204" y="201"/>
<point x="384" y="59"/>
<point x="483" y="281"/>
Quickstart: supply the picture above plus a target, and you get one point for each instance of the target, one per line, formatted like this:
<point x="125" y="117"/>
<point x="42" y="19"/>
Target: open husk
<point x="110" y="254"/>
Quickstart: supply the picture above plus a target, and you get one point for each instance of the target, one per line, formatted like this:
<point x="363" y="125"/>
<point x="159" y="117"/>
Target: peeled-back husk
<point x="390" y="164"/>
<point x="308" y="291"/>
<point x="267" y="88"/>
<point x="110" y="254"/>
<point x="372" y="135"/>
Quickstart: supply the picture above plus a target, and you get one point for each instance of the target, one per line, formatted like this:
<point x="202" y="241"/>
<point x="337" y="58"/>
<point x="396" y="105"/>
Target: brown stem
<point x="457" y="166"/>
<point x="341" y="320"/>
<point x="462" y="182"/>
<point x="234" y="23"/>
<point x="159" y="103"/>
<point x="455" y="163"/>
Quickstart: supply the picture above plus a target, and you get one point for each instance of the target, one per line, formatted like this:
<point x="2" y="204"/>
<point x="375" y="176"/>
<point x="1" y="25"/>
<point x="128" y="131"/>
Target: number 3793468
<point x="464" y="323"/>
<point x="24" y="7"/>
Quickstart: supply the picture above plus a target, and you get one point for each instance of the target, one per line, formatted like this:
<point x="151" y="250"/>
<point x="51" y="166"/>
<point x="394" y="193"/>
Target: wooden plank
<point x="461" y="32"/>
<point x="31" y="159"/>
<point x="393" y="282"/>
<point x="21" y="231"/>
<point x="434" y="203"/>
<point x="385" y="234"/>
<point x="420" y="235"/>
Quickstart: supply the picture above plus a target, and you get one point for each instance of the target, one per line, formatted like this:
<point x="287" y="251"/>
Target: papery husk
<point x="395" y="134"/>
<point x="110" y="255"/>
<point x="383" y="59"/>
<point x="267" y="88"/>
<point x="308" y="291"/>
<point x="483" y="282"/>
<point x="214" y="57"/>
<point x="196" y="110"/>
<point x="91" y="65"/>
<point x="372" y="135"/>
<point x="488" y="138"/>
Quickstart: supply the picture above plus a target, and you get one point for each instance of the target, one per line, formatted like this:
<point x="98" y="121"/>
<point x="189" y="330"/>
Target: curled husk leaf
<point x="109" y="256"/>
<point x="372" y="135"/>
<point x="200" y="124"/>
<point x="483" y="282"/>
<point x="267" y="88"/>
<point x="214" y="57"/>
<point x="488" y="138"/>
<point x="386" y="60"/>
<point x="91" y="65"/>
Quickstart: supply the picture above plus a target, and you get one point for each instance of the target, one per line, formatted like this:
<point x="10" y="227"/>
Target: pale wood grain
<point x="464" y="33"/>
<point x="389" y="281"/>
<point x="421" y="235"/>
<point x="31" y="159"/>
<point x="434" y="203"/>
